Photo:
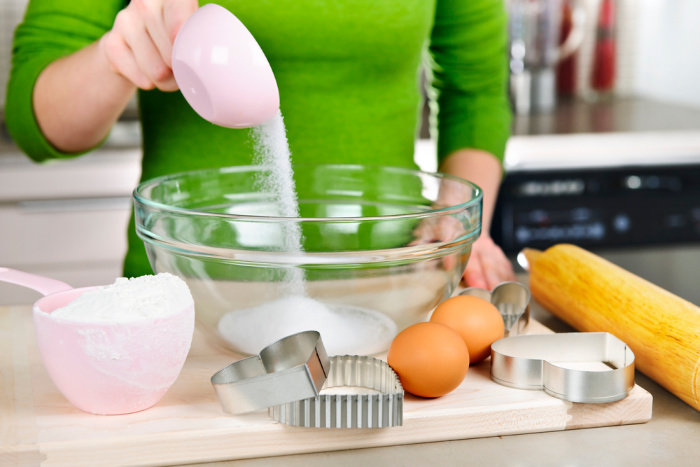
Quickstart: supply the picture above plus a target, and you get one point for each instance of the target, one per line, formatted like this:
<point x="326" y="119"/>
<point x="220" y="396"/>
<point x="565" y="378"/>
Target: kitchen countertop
<point x="112" y="170"/>
<point x="571" y="116"/>
<point x="670" y="438"/>
<point x="622" y="114"/>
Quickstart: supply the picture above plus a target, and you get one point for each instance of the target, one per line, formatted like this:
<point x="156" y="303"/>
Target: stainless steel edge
<point x="365" y="409"/>
<point x="541" y="362"/>
<point x="290" y="369"/>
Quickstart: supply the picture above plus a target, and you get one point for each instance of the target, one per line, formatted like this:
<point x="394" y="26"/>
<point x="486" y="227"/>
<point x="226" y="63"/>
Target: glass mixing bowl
<point x="374" y="250"/>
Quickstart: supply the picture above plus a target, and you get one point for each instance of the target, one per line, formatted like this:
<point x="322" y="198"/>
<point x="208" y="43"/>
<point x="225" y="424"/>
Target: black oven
<point x="599" y="208"/>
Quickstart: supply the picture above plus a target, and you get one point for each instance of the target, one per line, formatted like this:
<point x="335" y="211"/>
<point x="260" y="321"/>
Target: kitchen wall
<point x="668" y="65"/>
<point x="11" y="13"/>
<point x="657" y="44"/>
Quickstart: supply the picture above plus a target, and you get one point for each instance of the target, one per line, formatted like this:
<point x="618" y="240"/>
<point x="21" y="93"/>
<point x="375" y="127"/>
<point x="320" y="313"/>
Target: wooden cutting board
<point x="39" y="427"/>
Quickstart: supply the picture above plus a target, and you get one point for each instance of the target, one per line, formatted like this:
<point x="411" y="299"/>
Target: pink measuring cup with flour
<point x="106" y="368"/>
<point x="221" y="70"/>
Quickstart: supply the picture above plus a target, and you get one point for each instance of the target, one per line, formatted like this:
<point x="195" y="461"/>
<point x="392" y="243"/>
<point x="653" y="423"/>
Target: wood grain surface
<point x="39" y="427"/>
<point x="662" y="329"/>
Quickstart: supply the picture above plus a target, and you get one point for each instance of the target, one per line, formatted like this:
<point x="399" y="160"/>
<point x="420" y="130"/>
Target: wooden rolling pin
<point x="592" y="294"/>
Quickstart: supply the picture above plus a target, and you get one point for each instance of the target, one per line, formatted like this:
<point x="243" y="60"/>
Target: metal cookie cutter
<point x="513" y="302"/>
<point x="361" y="410"/>
<point x="288" y="370"/>
<point x="590" y="367"/>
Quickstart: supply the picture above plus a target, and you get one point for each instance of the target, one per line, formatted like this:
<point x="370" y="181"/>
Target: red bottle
<point x="566" y="69"/>
<point x="603" y="78"/>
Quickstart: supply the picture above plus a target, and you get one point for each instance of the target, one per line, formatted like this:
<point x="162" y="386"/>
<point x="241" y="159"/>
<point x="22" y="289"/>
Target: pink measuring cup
<point x="222" y="71"/>
<point x="106" y="368"/>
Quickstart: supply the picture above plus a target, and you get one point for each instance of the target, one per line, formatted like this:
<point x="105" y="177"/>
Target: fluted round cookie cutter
<point x="288" y="375"/>
<point x="383" y="408"/>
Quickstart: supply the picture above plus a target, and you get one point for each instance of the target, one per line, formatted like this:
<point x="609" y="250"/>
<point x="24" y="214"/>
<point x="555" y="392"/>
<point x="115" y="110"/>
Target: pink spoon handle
<point x="43" y="285"/>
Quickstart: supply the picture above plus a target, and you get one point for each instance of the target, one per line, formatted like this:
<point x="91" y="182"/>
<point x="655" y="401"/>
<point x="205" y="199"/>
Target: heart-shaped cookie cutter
<point x="512" y="299"/>
<point x="291" y="369"/>
<point x="590" y="367"/>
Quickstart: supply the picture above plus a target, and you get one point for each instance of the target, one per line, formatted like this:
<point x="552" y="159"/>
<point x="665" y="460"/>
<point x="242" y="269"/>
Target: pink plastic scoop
<point x="222" y="71"/>
<point x="106" y="368"/>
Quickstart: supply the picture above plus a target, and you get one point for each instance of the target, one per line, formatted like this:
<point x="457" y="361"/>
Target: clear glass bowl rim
<point x="140" y="198"/>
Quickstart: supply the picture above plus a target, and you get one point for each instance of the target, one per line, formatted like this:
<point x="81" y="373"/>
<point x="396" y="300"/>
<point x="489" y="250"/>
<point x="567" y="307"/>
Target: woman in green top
<point x="347" y="72"/>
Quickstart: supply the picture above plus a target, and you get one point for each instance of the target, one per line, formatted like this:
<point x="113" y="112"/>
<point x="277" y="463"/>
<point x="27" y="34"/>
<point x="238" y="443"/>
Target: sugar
<point x="273" y="154"/>
<point x="145" y="297"/>
<point x="344" y="329"/>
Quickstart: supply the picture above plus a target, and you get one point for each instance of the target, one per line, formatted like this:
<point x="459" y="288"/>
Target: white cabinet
<point x="65" y="219"/>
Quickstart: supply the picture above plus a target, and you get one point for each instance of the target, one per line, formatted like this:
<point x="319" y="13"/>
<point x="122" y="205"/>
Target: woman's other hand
<point x="488" y="266"/>
<point x="140" y="44"/>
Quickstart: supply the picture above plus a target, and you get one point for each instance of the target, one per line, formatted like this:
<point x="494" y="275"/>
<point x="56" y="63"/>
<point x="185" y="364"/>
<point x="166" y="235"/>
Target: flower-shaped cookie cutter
<point x="590" y="367"/>
<point x="512" y="299"/>
<point x="291" y="369"/>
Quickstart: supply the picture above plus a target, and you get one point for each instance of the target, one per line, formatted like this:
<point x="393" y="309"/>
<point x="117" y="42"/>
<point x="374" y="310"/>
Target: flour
<point x="345" y="330"/>
<point x="146" y="297"/>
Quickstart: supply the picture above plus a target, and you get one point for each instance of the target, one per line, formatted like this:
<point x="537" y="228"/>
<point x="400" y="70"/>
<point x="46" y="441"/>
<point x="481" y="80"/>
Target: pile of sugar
<point x="145" y="297"/>
<point x="345" y="330"/>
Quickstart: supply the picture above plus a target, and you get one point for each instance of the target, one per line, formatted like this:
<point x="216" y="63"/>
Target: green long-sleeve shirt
<point x="348" y="73"/>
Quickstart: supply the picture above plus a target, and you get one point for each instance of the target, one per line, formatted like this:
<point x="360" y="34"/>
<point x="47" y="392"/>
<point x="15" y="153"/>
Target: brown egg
<point x="478" y="322"/>
<point x="429" y="358"/>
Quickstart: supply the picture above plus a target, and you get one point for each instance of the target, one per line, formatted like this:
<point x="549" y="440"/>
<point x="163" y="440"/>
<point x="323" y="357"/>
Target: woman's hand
<point x="488" y="266"/>
<point x="139" y="47"/>
<point x="98" y="81"/>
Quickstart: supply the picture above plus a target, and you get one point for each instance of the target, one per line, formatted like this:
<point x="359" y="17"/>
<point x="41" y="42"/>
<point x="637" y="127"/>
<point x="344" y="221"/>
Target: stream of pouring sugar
<point x="272" y="152"/>
<point x="345" y="329"/>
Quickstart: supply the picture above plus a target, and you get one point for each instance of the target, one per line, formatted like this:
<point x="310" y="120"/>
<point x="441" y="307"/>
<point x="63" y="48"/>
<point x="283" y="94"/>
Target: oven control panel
<point x="611" y="207"/>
